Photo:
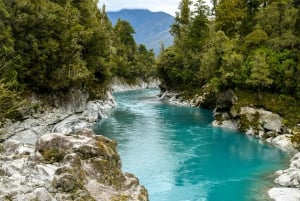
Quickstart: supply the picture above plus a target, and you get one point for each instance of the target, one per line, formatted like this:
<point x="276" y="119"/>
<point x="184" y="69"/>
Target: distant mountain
<point x="152" y="28"/>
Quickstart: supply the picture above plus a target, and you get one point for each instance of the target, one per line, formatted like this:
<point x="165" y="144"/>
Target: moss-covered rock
<point x="66" y="182"/>
<point x="120" y="198"/>
<point x="77" y="167"/>
<point x="52" y="155"/>
<point x="295" y="139"/>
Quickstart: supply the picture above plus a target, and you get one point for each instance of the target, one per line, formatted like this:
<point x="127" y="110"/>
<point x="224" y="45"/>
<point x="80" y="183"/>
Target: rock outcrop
<point x="80" y="166"/>
<point x="120" y="86"/>
<point x="260" y="120"/>
<point x="288" y="182"/>
<point x="66" y="115"/>
<point x="174" y="99"/>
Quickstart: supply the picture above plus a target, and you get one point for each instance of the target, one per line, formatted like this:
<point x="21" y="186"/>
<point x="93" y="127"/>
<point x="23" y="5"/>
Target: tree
<point x="126" y="50"/>
<point x="255" y="39"/>
<point x="230" y="16"/>
<point x="260" y="72"/>
<point x="182" y="19"/>
<point x="198" y="28"/>
<point x="145" y="60"/>
<point x="63" y="44"/>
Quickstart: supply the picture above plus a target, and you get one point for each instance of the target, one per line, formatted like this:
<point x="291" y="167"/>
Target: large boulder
<point x="290" y="177"/>
<point x="283" y="141"/>
<point x="284" y="194"/>
<point x="260" y="119"/>
<point x="82" y="166"/>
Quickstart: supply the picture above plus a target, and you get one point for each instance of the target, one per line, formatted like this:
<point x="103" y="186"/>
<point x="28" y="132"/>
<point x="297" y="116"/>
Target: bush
<point x="10" y="101"/>
<point x="295" y="139"/>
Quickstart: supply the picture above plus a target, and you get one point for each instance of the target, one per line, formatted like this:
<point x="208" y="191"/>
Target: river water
<point x="179" y="156"/>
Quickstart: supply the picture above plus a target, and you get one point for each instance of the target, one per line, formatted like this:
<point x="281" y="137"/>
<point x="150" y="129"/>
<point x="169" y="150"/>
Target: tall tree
<point x="230" y="16"/>
<point x="182" y="18"/>
<point x="126" y="49"/>
<point x="198" y="30"/>
<point x="260" y="71"/>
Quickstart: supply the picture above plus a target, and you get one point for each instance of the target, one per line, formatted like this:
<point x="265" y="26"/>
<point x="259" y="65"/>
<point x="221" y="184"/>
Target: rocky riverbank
<point x="49" y="154"/>
<point x="67" y="114"/>
<point x="80" y="166"/>
<point x="257" y="122"/>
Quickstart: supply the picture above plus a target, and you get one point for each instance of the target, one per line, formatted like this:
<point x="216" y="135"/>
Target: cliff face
<point x="68" y="113"/>
<point x="81" y="166"/>
<point x="50" y="154"/>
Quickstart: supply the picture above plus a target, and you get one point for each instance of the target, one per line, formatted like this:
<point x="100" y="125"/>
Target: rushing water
<point x="179" y="156"/>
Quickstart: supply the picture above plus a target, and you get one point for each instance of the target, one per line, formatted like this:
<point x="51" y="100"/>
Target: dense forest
<point x="250" y="46"/>
<point x="51" y="46"/>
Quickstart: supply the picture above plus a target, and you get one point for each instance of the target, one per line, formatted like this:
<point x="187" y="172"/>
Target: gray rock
<point x="267" y="119"/>
<point x="226" y="99"/>
<point x="70" y="125"/>
<point x="66" y="117"/>
<point x="72" y="102"/>
<point x="283" y="141"/>
<point x="284" y="194"/>
<point x="229" y="124"/>
<point x="174" y="99"/>
<point x="119" y="86"/>
<point x="61" y="167"/>
<point x="26" y="136"/>
<point x="284" y="180"/>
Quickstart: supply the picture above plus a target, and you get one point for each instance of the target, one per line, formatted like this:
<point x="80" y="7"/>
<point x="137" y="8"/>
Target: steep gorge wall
<point x="49" y="154"/>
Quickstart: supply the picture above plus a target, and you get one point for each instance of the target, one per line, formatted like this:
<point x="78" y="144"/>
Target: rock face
<point x="66" y="115"/>
<point x="119" y="86"/>
<point x="81" y="166"/>
<point x="288" y="182"/>
<point x="226" y="99"/>
<point x="265" y="120"/>
<point x="174" y="99"/>
<point x="283" y="141"/>
<point x="284" y="194"/>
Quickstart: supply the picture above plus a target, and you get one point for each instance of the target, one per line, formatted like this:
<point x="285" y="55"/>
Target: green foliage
<point x="52" y="155"/>
<point x="131" y="61"/>
<point x="230" y="16"/>
<point x="253" y="123"/>
<point x="10" y="101"/>
<point x="170" y="66"/>
<point x="255" y="39"/>
<point x="248" y="46"/>
<point x="53" y="46"/>
<point x="286" y="106"/>
<point x="260" y="71"/>
<point x="295" y="139"/>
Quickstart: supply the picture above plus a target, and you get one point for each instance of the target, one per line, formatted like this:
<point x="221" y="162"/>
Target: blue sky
<point x="168" y="6"/>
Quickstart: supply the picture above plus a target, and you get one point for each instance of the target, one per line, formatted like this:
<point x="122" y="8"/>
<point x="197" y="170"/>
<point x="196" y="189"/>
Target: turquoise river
<point x="179" y="156"/>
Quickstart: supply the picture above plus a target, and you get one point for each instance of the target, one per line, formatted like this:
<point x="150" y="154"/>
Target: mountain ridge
<point x="152" y="28"/>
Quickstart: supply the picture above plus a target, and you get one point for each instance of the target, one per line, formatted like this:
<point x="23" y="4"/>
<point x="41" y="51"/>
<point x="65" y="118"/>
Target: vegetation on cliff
<point x="250" y="46"/>
<point x="52" y="46"/>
